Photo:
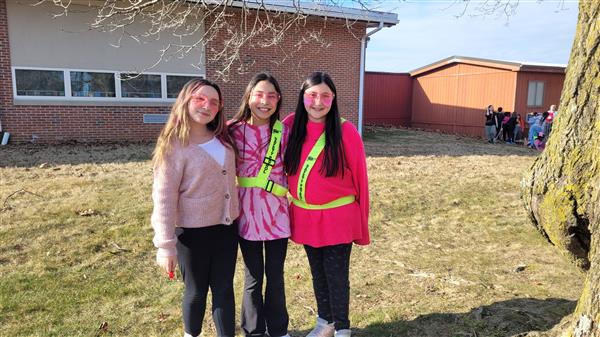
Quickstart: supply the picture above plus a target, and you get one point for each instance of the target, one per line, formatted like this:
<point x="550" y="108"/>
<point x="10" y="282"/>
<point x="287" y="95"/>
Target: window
<point x="31" y="82"/>
<point x="140" y="86"/>
<point x="176" y="83"/>
<point x="92" y="84"/>
<point x="81" y="86"/>
<point x="535" y="93"/>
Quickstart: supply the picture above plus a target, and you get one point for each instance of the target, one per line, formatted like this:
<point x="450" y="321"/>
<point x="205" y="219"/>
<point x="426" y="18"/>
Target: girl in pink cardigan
<point x="264" y="223"/>
<point x="327" y="176"/>
<point x="195" y="204"/>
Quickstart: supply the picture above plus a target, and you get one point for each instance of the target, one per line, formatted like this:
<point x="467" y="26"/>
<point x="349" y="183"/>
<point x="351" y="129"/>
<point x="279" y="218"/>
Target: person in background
<point x="540" y="142"/>
<point x="498" y="117"/>
<point x="490" y="125"/>
<point x="549" y="120"/>
<point x="519" y="129"/>
<point x="533" y="119"/>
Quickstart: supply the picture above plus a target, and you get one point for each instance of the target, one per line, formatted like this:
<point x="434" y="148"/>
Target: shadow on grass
<point x="392" y="142"/>
<point x="515" y="317"/>
<point x="29" y="155"/>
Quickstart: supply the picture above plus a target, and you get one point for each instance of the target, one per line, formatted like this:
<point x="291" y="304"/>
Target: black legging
<point x="330" y="267"/>
<point x="207" y="258"/>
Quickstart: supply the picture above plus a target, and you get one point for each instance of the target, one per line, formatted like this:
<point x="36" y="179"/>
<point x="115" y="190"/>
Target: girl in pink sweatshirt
<point x="195" y="204"/>
<point x="264" y="224"/>
<point x="327" y="176"/>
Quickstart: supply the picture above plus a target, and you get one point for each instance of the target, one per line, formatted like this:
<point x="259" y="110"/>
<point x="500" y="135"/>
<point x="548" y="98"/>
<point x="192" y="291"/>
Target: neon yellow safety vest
<point x="305" y="171"/>
<point x="262" y="179"/>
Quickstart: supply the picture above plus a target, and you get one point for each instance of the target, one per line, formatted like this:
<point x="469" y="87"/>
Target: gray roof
<point x="318" y="8"/>
<point x="509" y="65"/>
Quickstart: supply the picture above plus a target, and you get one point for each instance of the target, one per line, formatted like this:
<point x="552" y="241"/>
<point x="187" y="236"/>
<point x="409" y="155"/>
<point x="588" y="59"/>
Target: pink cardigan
<point x="345" y="224"/>
<point x="191" y="190"/>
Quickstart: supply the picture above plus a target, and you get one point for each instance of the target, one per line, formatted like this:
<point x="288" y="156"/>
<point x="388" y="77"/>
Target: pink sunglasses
<point x="326" y="99"/>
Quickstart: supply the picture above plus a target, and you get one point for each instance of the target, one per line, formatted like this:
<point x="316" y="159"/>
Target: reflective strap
<point x="308" y="165"/>
<point x="270" y="186"/>
<point x="343" y="201"/>
<point x="271" y="155"/>
<point x="262" y="179"/>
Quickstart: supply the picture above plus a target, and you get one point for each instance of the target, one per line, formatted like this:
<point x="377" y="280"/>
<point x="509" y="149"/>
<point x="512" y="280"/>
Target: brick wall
<point x="340" y="57"/>
<point x="58" y="123"/>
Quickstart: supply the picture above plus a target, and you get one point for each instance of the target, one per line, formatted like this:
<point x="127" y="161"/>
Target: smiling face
<point x="317" y="102"/>
<point x="262" y="102"/>
<point x="203" y="105"/>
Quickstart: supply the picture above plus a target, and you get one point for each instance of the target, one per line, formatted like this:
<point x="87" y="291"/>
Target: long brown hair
<point x="244" y="111"/>
<point x="178" y="125"/>
<point x="333" y="156"/>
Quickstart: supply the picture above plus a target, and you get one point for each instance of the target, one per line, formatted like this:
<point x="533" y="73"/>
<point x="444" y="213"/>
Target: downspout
<point x="361" y="90"/>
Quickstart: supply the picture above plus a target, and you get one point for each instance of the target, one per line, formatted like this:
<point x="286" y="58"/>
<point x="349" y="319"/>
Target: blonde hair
<point x="178" y="124"/>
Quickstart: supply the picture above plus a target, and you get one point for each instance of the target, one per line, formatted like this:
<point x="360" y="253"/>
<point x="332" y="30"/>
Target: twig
<point x="119" y="248"/>
<point x="310" y="309"/>
<point x="15" y="193"/>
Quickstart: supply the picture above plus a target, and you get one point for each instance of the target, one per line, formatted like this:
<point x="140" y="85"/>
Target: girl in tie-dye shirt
<point x="264" y="224"/>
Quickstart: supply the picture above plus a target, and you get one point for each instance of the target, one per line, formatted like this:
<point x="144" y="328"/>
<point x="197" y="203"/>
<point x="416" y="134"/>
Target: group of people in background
<point x="511" y="128"/>
<point x="201" y="214"/>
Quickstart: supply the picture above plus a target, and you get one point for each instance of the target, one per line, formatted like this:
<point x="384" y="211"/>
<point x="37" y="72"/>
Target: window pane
<point x="539" y="94"/>
<point x="140" y="86"/>
<point x="86" y="84"/>
<point x="175" y="83"/>
<point x="39" y="82"/>
<point x="531" y="94"/>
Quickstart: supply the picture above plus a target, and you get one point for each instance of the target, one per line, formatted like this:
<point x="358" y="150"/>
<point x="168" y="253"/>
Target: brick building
<point x="60" y="81"/>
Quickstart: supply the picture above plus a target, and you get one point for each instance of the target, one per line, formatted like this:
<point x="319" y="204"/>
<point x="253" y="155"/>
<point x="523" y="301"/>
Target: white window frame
<point x="68" y="98"/>
<point x="535" y="98"/>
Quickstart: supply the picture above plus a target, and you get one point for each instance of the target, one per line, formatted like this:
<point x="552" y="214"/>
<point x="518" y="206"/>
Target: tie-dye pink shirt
<point x="263" y="215"/>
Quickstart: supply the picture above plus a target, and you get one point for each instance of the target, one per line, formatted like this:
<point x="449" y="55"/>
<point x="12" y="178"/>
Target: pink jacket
<point x="345" y="224"/>
<point x="191" y="190"/>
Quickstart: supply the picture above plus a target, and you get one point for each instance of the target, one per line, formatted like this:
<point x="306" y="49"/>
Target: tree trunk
<point x="562" y="189"/>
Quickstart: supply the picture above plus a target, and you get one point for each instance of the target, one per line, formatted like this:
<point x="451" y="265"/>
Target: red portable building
<point x="450" y="95"/>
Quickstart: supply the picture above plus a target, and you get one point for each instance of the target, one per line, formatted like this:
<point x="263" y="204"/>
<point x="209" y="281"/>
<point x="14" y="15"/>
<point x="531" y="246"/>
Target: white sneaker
<point x="322" y="329"/>
<point x="343" y="333"/>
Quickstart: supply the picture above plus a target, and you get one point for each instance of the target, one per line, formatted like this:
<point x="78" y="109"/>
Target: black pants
<point x="258" y="316"/>
<point x="508" y="134"/>
<point x="330" y="267"/>
<point x="207" y="258"/>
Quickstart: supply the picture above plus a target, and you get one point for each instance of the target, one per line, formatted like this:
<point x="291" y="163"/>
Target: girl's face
<point x="203" y="105"/>
<point x="263" y="102"/>
<point x="317" y="102"/>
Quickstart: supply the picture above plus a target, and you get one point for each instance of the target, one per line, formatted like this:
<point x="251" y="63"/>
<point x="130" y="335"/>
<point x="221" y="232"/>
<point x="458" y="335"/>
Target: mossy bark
<point x="561" y="190"/>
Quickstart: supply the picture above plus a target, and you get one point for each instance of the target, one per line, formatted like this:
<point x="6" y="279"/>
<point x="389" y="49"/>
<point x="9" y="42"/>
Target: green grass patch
<point x="447" y="225"/>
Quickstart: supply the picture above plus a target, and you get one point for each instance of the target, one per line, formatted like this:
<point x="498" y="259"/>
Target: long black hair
<point x="244" y="112"/>
<point x="333" y="160"/>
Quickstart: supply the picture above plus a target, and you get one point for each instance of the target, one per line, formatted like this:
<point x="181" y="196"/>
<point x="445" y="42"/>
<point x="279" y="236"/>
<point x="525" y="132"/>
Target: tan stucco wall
<point x="39" y="40"/>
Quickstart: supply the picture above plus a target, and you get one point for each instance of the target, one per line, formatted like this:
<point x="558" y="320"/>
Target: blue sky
<point x="428" y="31"/>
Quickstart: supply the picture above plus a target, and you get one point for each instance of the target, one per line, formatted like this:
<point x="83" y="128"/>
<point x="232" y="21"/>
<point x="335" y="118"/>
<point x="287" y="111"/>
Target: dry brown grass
<point x="447" y="225"/>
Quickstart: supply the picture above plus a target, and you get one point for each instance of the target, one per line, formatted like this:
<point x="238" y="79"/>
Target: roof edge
<point x="508" y="65"/>
<point x="373" y="18"/>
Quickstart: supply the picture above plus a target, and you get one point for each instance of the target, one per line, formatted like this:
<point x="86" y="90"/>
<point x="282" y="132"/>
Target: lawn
<point x="453" y="252"/>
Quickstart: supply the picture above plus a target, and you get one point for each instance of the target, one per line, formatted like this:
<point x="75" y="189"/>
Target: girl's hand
<point x="167" y="263"/>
